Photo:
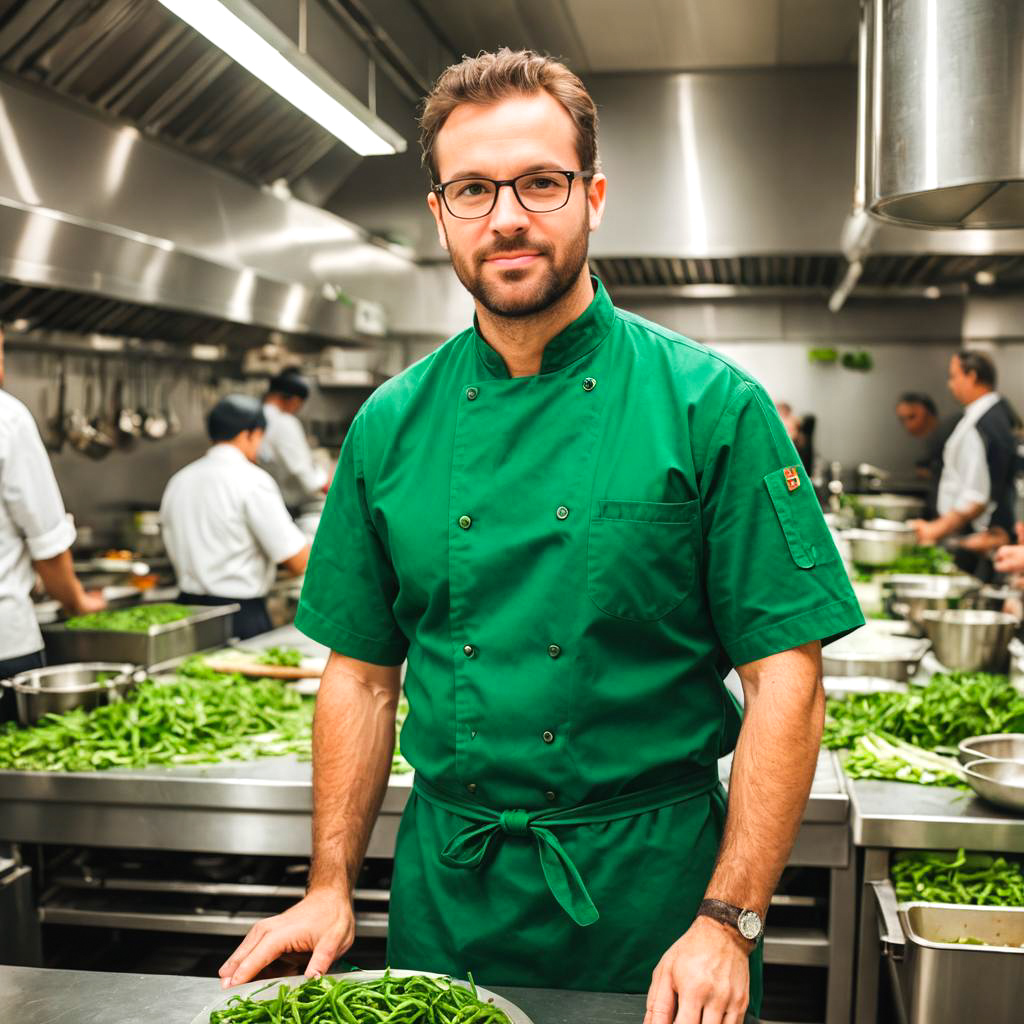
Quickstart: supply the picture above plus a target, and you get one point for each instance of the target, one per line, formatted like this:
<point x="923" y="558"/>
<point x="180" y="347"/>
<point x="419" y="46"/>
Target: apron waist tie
<point x="468" y="847"/>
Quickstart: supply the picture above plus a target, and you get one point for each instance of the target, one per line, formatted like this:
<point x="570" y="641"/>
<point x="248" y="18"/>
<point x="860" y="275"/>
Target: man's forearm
<point x="955" y="521"/>
<point x="353" y="744"/>
<point x="60" y="581"/>
<point x="772" y="772"/>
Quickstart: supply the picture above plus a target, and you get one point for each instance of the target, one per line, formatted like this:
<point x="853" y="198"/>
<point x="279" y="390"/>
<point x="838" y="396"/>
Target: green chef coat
<point x="571" y="562"/>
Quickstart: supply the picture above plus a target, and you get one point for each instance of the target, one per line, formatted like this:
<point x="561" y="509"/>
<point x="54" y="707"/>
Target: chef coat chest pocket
<point x="642" y="557"/>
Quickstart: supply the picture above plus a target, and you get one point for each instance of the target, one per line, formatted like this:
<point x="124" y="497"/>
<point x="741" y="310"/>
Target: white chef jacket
<point x="33" y="525"/>
<point x="286" y="456"/>
<point x="225" y="526"/>
<point x="965" y="477"/>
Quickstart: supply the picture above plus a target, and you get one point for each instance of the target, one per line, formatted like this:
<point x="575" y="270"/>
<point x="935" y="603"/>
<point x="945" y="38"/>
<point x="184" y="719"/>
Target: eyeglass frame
<point x="571" y="176"/>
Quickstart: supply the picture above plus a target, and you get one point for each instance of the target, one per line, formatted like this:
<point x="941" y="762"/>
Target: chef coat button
<point x="548" y="736"/>
<point x="472" y="787"/>
<point x="550" y="795"/>
<point x="469" y="651"/>
<point x="562" y="512"/>
<point x="465" y="522"/>
<point x="471" y="393"/>
<point x="589" y="383"/>
<point x="554" y="650"/>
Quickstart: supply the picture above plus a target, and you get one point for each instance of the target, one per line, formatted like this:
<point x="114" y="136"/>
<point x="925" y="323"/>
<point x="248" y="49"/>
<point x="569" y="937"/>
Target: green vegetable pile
<point x="903" y="736"/>
<point x="925" y="560"/>
<point x="978" y="879"/>
<point x="391" y="1000"/>
<point x="190" y="721"/>
<point x="287" y="656"/>
<point x="131" y="620"/>
<point x="201" y="718"/>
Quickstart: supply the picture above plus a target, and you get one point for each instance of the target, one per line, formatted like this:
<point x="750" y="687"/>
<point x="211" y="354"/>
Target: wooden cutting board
<point x="258" y="671"/>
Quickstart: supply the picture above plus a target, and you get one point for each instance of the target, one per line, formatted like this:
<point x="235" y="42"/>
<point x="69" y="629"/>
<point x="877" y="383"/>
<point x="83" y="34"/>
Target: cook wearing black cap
<point x="224" y="521"/>
<point x="285" y="453"/>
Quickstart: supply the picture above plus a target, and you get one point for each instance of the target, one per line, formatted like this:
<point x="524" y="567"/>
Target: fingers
<point x="228" y="968"/>
<point x="661" y="997"/>
<point x="327" y="950"/>
<point x="269" y="947"/>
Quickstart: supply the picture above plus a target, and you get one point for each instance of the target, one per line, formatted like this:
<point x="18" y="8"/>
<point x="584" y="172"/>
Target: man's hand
<point x="322" y="924"/>
<point x="703" y="978"/>
<point x="1009" y="558"/>
<point x="928" y="531"/>
<point x="90" y="601"/>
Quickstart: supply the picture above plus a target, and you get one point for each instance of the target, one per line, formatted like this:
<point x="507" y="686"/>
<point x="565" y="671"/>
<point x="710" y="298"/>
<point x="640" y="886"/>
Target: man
<point x="573" y="522"/>
<point x="224" y="522"/>
<point x="975" y="494"/>
<point x="285" y="452"/>
<point x="35" y="538"/>
<point x="920" y="418"/>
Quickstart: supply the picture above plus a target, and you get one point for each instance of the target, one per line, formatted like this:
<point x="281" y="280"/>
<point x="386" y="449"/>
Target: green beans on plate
<point x="393" y="999"/>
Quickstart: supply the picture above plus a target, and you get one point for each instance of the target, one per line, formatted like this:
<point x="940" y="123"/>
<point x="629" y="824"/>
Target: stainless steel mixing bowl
<point x="971" y="640"/>
<point x="61" y="688"/>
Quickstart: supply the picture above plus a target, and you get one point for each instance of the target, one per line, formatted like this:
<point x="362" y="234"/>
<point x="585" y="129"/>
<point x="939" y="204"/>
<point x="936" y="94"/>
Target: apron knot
<point x="515" y="823"/>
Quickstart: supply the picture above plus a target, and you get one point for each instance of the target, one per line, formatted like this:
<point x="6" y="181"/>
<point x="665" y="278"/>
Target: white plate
<point x="515" y="1015"/>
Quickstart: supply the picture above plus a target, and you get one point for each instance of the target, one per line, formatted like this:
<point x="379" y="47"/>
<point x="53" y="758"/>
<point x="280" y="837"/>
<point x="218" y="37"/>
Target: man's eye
<point x="539" y="184"/>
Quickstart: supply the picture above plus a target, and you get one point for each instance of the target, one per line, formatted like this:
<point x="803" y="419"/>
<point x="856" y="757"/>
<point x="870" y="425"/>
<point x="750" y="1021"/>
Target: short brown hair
<point x="490" y="77"/>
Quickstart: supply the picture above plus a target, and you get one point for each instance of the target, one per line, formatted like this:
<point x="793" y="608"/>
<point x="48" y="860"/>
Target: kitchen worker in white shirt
<point x="35" y="537"/>
<point x="224" y="522"/>
<point x="975" y="493"/>
<point x="285" y="452"/>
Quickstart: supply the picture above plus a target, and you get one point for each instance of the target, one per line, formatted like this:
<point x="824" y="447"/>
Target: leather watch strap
<point x="727" y="913"/>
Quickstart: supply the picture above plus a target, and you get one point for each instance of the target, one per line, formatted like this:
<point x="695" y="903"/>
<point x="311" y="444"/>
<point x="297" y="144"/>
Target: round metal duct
<point x="946" y="84"/>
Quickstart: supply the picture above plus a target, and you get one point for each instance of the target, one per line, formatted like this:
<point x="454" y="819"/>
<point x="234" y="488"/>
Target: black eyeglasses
<point x="537" y="192"/>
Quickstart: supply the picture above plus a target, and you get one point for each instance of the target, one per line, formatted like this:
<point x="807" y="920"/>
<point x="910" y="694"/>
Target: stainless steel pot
<point x="60" y="688"/>
<point x="876" y="547"/>
<point x="875" y="655"/>
<point x="970" y="640"/>
<point x="939" y="979"/>
<point x="910" y="595"/>
<point x="889" y="506"/>
<point x="895" y="527"/>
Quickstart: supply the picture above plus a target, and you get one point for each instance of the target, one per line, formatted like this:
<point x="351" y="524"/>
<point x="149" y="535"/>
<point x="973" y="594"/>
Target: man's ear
<point x="434" y="202"/>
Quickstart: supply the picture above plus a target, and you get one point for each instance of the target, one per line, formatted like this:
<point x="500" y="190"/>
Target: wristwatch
<point x="747" y="922"/>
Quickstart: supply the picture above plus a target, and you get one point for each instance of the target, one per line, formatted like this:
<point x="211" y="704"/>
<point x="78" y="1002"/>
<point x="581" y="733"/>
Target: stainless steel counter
<point x="899" y="815"/>
<point x="30" y="995"/>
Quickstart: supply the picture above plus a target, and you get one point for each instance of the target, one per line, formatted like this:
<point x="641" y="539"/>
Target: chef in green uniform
<point x="572" y="522"/>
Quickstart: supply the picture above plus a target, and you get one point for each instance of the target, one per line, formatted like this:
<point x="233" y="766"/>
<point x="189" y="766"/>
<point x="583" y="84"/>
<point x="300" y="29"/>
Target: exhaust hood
<point x="946" y="112"/>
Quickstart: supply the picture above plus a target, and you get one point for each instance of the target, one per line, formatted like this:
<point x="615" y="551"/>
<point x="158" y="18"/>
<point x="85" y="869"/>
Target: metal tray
<point x="514" y="1014"/>
<point x="204" y="628"/>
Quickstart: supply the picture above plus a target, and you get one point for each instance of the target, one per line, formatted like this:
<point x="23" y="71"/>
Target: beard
<point x="559" y="275"/>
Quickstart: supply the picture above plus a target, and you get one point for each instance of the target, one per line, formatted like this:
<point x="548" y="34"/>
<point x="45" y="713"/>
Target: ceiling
<point x="599" y="36"/>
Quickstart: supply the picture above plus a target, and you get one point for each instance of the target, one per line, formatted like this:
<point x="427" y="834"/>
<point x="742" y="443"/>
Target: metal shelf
<point x="802" y="947"/>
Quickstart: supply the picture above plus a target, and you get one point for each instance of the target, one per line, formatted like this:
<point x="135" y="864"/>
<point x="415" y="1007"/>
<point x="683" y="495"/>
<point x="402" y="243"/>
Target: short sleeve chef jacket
<point x="33" y="525"/>
<point x="571" y="560"/>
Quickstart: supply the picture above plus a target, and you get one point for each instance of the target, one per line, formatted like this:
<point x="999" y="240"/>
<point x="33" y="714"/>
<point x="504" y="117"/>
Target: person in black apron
<point x="224" y="522"/>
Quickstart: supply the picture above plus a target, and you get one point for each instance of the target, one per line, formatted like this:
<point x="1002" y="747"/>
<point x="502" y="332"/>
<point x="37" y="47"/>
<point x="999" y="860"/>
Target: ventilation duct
<point x="946" y="87"/>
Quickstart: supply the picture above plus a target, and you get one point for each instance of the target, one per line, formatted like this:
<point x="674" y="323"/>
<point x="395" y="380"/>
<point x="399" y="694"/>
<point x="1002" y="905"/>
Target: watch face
<point x="749" y="925"/>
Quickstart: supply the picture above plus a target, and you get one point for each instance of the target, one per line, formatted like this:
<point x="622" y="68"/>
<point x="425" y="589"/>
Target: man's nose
<point x="508" y="216"/>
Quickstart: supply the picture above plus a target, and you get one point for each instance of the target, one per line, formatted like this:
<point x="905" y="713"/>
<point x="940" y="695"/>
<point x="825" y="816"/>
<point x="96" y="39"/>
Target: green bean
<point x="416" y="999"/>
<point x="973" y="879"/>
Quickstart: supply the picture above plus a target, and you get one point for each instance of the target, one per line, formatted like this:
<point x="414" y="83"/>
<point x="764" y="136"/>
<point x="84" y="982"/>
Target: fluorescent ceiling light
<point x="253" y="41"/>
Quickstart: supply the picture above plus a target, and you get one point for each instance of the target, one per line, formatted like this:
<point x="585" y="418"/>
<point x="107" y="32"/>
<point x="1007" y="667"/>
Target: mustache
<point x="512" y="245"/>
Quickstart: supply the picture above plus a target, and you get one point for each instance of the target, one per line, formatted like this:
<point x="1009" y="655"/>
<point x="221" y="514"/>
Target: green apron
<point x="571" y="562"/>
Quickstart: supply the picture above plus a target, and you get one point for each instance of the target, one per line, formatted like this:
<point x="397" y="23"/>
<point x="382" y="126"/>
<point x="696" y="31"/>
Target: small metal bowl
<point x="1001" y="746"/>
<point x="970" y="640"/>
<point x="61" y="688"/>
<point x="1000" y="781"/>
<point x="883" y="657"/>
<point x="876" y="547"/>
<point x="895" y="527"/>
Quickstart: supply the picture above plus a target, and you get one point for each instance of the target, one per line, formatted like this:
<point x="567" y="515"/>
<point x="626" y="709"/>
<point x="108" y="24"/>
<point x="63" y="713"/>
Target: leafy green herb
<point x="131" y="620"/>
<point x="977" y="879"/>
<point x="287" y="656"/>
<point x="924" y="560"/>
<point x="861" y="361"/>
<point x="822" y="355"/>
<point x="395" y="1000"/>
<point x="876" y="756"/>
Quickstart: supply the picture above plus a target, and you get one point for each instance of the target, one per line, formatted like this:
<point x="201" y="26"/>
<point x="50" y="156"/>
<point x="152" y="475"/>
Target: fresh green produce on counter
<point x="877" y="727"/>
<point x="190" y="721"/>
<point x="288" y="656"/>
<point x="924" y="560"/>
<point x="976" y="879"/>
<point x="131" y="620"/>
<point x="203" y="717"/>
<point x="395" y="1000"/>
<point x="876" y="756"/>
